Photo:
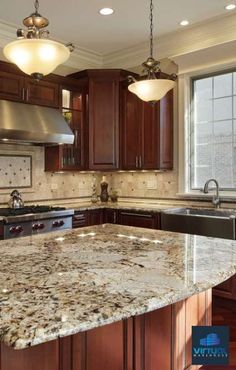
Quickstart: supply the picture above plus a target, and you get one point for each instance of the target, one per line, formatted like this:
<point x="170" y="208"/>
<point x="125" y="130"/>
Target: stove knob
<point x="61" y="223"/>
<point x="41" y="226"/>
<point x="19" y="229"/>
<point x="55" y="224"/>
<point x="35" y="227"/>
<point x="12" y="230"/>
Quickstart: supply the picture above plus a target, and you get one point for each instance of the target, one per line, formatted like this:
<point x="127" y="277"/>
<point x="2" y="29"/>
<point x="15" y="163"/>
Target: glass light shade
<point x="36" y="55"/>
<point x="151" y="90"/>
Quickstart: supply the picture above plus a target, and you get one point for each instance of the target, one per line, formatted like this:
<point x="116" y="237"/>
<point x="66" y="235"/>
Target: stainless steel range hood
<point x="31" y="124"/>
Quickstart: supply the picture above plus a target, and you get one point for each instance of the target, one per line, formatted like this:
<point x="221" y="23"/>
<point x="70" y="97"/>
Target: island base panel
<point x="160" y="339"/>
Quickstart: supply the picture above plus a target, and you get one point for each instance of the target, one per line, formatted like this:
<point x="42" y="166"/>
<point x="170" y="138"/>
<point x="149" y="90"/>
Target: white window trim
<point x="184" y="124"/>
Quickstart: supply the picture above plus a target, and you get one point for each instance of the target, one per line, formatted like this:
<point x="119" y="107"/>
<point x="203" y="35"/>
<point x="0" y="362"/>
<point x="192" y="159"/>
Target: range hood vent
<point x="31" y="124"/>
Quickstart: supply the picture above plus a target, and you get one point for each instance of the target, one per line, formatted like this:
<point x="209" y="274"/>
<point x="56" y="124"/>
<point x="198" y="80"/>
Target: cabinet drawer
<point x="80" y="219"/>
<point x="139" y="219"/>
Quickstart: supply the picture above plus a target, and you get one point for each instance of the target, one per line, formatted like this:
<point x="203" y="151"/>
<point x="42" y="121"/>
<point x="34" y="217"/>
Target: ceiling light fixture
<point x="152" y="87"/>
<point x="230" y="7"/>
<point x="106" y="11"/>
<point x="33" y="52"/>
<point x="185" y="22"/>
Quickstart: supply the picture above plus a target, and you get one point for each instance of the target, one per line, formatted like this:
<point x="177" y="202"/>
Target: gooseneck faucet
<point x="216" y="198"/>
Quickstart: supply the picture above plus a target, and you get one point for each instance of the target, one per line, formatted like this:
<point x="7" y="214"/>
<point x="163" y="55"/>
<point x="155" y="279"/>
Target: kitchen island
<point x="107" y="297"/>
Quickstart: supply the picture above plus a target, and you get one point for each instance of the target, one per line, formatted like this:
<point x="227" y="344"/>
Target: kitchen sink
<point x="219" y="223"/>
<point x="202" y="212"/>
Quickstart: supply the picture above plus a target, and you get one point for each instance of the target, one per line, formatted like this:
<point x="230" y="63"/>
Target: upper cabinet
<point x="73" y="105"/>
<point x="103" y="116"/>
<point x="146" y="133"/>
<point x="18" y="87"/>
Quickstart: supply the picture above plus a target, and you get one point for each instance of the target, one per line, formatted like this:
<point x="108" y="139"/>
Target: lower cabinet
<point x="139" y="219"/>
<point x="227" y="289"/>
<point x="150" y="220"/>
<point x="160" y="339"/>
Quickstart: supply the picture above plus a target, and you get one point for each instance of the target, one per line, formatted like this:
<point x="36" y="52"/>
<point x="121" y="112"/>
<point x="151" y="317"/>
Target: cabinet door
<point x="70" y="157"/>
<point x="150" y="136"/>
<point x="111" y="216"/>
<point x="166" y="131"/>
<point x="131" y="131"/>
<point x="227" y="289"/>
<point x="103" y="122"/>
<point x="11" y="86"/>
<point x="42" y="93"/>
<point x="138" y="219"/>
<point x="95" y="217"/>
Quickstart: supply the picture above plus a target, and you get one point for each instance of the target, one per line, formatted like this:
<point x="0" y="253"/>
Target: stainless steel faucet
<point x="216" y="198"/>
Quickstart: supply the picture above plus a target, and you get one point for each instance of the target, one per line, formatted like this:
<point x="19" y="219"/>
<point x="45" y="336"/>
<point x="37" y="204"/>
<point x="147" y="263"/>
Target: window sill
<point x="224" y="196"/>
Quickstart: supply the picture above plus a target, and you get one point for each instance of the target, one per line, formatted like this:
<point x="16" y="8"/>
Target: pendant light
<point x="33" y="52"/>
<point x="151" y="88"/>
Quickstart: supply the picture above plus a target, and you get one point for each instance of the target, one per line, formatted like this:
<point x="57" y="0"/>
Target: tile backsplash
<point x="52" y="186"/>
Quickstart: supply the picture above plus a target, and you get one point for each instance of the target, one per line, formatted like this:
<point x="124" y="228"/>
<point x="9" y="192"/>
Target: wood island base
<point x="157" y="340"/>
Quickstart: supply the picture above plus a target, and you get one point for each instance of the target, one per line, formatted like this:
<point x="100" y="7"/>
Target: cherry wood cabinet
<point x="147" y="133"/>
<point x="11" y="86"/>
<point x="41" y="92"/>
<point x="160" y="339"/>
<point x="70" y="157"/>
<point x="227" y="289"/>
<point x="103" y="116"/>
<point x="16" y="86"/>
<point x="111" y="216"/>
<point x="149" y="220"/>
<point x="95" y="217"/>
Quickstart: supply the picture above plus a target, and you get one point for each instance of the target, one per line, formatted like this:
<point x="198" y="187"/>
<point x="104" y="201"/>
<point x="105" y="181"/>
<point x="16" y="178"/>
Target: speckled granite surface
<point x="61" y="283"/>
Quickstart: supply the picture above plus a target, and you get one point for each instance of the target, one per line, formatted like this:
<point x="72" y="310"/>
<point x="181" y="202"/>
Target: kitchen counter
<point x="58" y="284"/>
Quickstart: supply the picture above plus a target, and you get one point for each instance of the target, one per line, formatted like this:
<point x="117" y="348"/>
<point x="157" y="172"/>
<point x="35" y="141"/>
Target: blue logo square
<point x="210" y="345"/>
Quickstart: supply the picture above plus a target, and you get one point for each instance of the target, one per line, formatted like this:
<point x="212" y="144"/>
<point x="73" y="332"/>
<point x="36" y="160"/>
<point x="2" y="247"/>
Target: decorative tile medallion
<point x="15" y="171"/>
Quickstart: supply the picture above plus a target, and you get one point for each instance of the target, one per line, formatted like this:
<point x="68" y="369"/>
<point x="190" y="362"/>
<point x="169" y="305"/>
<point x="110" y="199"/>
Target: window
<point x="213" y="131"/>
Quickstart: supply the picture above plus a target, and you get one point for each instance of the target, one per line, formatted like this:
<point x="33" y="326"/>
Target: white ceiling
<point x="78" y="21"/>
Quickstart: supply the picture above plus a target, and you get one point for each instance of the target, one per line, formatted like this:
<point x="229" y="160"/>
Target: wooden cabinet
<point x="149" y="220"/>
<point x="70" y="157"/>
<point x="16" y="86"/>
<point x="160" y="339"/>
<point x="95" y="217"/>
<point x="111" y="216"/>
<point x="41" y="92"/>
<point x="147" y="133"/>
<point x="103" y="116"/>
<point x="227" y="289"/>
<point x="87" y="218"/>
<point x="11" y="86"/>
<point x="80" y="219"/>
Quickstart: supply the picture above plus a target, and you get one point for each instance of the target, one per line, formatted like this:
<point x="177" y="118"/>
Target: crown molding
<point x="217" y="31"/>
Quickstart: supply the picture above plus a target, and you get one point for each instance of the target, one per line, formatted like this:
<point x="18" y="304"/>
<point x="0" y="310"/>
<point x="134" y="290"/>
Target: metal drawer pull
<point x="140" y="161"/>
<point x="136" y="214"/>
<point x="136" y="161"/>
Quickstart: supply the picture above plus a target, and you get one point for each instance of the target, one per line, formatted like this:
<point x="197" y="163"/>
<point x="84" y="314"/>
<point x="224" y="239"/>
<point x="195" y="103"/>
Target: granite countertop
<point x="61" y="283"/>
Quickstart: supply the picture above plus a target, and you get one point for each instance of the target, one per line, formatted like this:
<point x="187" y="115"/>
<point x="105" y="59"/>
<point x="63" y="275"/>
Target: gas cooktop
<point x="5" y="212"/>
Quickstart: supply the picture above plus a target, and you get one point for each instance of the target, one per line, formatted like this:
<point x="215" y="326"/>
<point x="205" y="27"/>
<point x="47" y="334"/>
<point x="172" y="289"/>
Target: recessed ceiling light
<point x="106" y="11"/>
<point x="230" y="7"/>
<point x="184" y="23"/>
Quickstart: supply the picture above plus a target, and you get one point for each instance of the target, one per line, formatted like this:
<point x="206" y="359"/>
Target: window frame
<point x="186" y="101"/>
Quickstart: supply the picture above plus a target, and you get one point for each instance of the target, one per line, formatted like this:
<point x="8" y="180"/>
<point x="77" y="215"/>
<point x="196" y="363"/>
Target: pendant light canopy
<point x="152" y="87"/>
<point x="33" y="52"/>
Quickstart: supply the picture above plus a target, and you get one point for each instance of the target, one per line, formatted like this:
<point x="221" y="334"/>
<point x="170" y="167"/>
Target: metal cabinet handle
<point x="23" y="93"/>
<point x="27" y="95"/>
<point x="136" y="161"/>
<point x="114" y="218"/>
<point x="136" y="214"/>
<point x="140" y="161"/>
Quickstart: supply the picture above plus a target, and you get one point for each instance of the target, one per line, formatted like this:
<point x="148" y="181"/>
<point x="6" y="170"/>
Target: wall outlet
<point x="54" y="186"/>
<point x="152" y="185"/>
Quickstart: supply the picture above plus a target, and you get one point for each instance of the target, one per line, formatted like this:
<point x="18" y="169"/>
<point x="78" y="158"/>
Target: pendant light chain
<point x="36" y="5"/>
<point x="151" y="29"/>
